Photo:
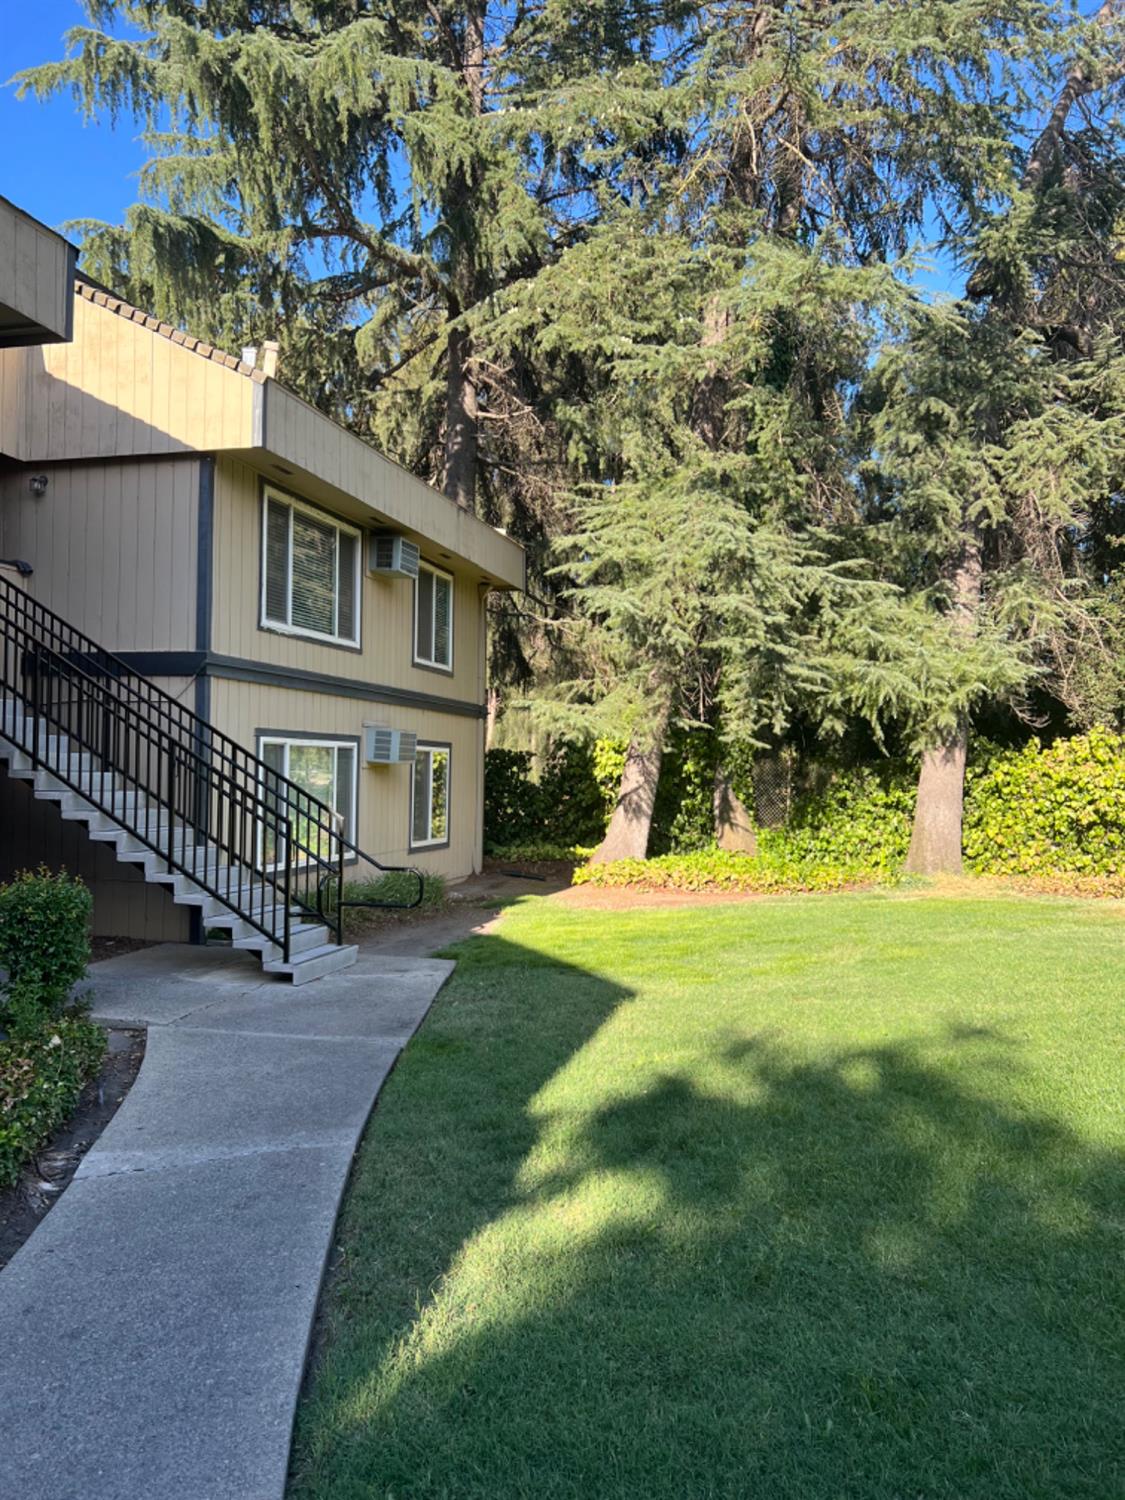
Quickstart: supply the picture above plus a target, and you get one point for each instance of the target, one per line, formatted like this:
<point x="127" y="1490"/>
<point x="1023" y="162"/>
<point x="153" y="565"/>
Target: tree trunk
<point x="935" y="839"/>
<point x="461" y="423"/>
<point x="492" y="713"/>
<point x="631" y="824"/>
<point x="734" y="826"/>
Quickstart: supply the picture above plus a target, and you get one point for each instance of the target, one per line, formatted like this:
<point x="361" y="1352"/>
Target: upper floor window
<point x="433" y="618"/>
<point x="310" y="572"/>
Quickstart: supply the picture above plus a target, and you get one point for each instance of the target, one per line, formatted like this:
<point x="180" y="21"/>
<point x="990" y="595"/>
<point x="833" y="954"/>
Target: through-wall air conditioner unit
<point x="391" y="555"/>
<point x="387" y="747"/>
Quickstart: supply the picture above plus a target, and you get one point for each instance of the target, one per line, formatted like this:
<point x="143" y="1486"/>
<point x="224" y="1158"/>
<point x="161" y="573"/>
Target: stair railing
<point x="215" y="797"/>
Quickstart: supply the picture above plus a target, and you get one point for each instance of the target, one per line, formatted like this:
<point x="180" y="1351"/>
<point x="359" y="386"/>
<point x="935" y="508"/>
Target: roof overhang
<point x="36" y="280"/>
<point x="299" y="448"/>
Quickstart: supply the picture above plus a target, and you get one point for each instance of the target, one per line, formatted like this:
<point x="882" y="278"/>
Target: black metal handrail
<point x="208" y="786"/>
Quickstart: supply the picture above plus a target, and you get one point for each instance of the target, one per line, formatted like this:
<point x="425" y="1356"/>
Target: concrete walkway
<point x="153" y="1329"/>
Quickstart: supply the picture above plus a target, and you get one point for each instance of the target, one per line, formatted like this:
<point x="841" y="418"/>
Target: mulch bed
<point x="102" y="948"/>
<point x="42" y="1181"/>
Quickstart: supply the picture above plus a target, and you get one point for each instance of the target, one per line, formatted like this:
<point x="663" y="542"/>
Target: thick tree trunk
<point x="935" y="840"/>
<point x="462" y="421"/>
<point x="734" y="826"/>
<point x="631" y="824"/>
<point x="462" y="426"/>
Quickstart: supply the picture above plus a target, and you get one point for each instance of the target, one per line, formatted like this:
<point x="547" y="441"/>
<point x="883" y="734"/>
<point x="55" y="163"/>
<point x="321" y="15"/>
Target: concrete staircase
<point x="131" y="820"/>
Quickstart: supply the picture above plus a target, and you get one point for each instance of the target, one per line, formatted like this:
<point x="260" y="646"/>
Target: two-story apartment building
<point x="296" y="589"/>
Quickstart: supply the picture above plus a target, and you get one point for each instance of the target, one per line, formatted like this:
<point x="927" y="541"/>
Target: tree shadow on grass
<point x="858" y="1275"/>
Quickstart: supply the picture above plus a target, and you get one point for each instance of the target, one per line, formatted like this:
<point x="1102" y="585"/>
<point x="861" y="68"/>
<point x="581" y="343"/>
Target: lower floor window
<point x="326" y="769"/>
<point x="429" y="800"/>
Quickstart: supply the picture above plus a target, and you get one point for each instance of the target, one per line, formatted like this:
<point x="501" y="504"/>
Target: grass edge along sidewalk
<point x="809" y="1197"/>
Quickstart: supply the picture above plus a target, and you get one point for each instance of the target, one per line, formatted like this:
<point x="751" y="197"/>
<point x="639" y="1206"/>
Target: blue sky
<point x="54" y="166"/>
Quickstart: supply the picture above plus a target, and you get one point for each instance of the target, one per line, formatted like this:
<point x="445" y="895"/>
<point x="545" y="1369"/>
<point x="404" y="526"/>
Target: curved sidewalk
<point x="154" y="1327"/>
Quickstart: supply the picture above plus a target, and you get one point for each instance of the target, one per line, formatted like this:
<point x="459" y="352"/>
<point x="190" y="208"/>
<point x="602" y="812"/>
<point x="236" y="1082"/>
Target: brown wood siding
<point x="387" y="608"/>
<point x="113" y="547"/>
<point x="242" y="709"/>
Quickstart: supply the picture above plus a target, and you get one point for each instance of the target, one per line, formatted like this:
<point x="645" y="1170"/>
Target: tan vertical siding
<point x="118" y="388"/>
<point x="386" y="608"/>
<point x="242" y="709"/>
<point x="308" y="440"/>
<point x="35" y="271"/>
<point x="113" y="547"/>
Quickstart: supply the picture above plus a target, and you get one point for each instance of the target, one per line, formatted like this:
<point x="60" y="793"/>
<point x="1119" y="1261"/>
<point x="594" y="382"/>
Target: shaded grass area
<point x="808" y="1198"/>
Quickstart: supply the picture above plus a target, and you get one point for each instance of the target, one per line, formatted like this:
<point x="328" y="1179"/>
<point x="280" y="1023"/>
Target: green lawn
<point x="811" y="1198"/>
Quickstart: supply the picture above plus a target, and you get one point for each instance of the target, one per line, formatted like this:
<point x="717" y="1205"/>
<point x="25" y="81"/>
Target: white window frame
<point x="432" y="843"/>
<point x="284" y="627"/>
<point x="343" y="743"/>
<point x="429" y="661"/>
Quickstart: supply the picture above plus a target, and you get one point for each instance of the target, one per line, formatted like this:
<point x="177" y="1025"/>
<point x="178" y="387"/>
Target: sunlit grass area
<point x="804" y="1198"/>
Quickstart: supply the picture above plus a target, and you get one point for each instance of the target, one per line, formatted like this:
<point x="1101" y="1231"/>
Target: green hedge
<point x="1032" y="811"/>
<point x="41" y="1077"/>
<point x="570" y="801"/>
<point x="44" y="945"/>
<point x="567" y="804"/>
<point x="1047" y="812"/>
<point x="717" y="870"/>
<point x="860" y="821"/>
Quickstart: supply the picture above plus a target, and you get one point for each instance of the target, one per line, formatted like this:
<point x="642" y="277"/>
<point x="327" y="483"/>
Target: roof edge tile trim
<point x="91" y="293"/>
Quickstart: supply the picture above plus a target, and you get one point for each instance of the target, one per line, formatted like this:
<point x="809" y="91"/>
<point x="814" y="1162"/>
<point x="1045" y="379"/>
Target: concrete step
<point x="314" y="964"/>
<point x="302" y="938"/>
<point x="130" y="820"/>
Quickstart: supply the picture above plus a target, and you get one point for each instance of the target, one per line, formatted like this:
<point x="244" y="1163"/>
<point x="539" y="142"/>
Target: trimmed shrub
<point x="565" y="805"/>
<point x="394" y="886"/>
<point x="717" y="870"/>
<point x="41" y="1077"/>
<point x="44" y="944"/>
<point x="1049" y="812"/>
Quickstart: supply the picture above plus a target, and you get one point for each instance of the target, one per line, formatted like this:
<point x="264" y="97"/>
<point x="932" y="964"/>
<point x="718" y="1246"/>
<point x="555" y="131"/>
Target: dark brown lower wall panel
<point x="33" y="834"/>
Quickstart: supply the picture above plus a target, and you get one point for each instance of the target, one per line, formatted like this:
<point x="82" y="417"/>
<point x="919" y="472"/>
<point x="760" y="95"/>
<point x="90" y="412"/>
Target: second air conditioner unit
<point x="387" y="747"/>
<point x="391" y="555"/>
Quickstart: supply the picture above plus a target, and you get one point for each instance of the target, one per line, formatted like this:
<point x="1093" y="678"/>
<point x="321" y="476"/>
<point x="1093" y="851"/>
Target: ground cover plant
<point x="808" y="1199"/>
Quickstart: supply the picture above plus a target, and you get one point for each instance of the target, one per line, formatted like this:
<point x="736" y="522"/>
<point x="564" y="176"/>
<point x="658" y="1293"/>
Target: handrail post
<point x="35" y="759"/>
<point x="288" y="886"/>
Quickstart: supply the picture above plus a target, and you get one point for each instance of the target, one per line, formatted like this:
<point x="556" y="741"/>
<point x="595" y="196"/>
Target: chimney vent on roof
<point x="270" y="351"/>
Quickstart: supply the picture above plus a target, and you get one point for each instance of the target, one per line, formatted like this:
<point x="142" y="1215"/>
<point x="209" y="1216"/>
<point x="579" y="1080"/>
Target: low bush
<point x="1058" y="811"/>
<point x="41" y="1076"/>
<point x="397" y="886"/>
<point x="44" y="945"/>
<point x="861" y="819"/>
<point x="566" y="803"/>
<point x="717" y="870"/>
<point x="540" y="853"/>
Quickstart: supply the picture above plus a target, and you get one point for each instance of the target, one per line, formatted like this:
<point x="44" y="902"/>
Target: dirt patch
<point x="102" y="948"/>
<point x="555" y="872"/>
<point x="43" y="1180"/>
